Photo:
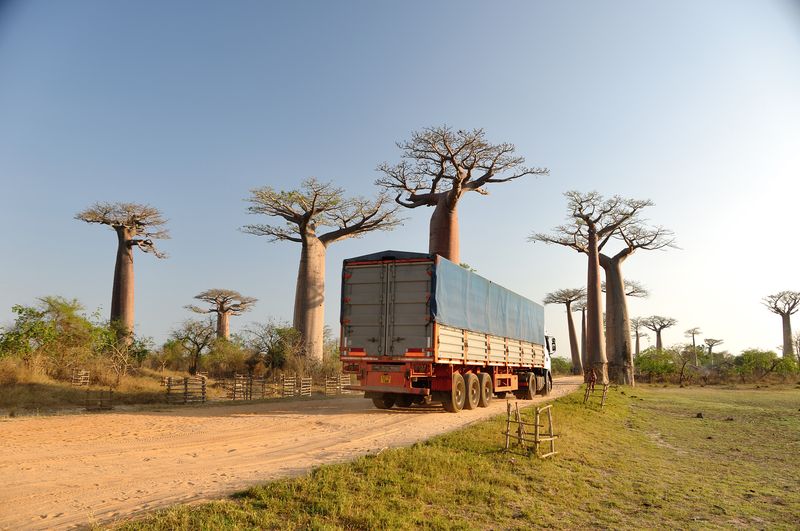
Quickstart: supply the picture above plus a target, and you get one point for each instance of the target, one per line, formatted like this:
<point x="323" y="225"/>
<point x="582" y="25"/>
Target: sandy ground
<point x="71" y="471"/>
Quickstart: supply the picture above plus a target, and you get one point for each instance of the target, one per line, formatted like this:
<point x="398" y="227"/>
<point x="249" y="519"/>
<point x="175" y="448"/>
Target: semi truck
<point x="417" y="328"/>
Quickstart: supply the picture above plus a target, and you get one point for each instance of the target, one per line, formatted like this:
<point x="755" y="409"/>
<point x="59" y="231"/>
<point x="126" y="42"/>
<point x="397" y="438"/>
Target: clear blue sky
<point x="189" y="105"/>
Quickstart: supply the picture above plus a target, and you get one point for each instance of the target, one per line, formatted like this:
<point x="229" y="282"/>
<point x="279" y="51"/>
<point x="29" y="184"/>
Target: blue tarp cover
<point x="466" y="300"/>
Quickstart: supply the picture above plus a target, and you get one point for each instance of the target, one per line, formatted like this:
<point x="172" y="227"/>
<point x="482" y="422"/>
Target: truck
<point x="417" y="328"/>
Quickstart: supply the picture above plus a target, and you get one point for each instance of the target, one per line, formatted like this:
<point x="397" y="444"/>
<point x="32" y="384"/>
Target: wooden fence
<point x="540" y="436"/>
<point x="80" y="377"/>
<point x="186" y="390"/>
<point x="334" y="385"/>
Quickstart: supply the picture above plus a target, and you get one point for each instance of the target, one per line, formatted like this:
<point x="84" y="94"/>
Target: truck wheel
<point x="501" y="394"/>
<point x="485" y="383"/>
<point x="548" y="383"/>
<point x="473" y="391"/>
<point x="539" y="383"/>
<point x="404" y="401"/>
<point x="385" y="401"/>
<point x="454" y="400"/>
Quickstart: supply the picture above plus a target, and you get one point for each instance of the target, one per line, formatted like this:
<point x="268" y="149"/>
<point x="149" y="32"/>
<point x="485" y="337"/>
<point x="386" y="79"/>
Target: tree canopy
<point x="142" y="222"/>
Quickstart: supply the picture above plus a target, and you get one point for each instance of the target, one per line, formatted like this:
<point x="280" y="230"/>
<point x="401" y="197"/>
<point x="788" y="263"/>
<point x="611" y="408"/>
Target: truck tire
<point x="485" y="383"/>
<point x="548" y="383"/>
<point x="404" y="401"/>
<point x="454" y="400"/>
<point x="539" y="386"/>
<point x="528" y="392"/>
<point x="473" y="387"/>
<point x="385" y="401"/>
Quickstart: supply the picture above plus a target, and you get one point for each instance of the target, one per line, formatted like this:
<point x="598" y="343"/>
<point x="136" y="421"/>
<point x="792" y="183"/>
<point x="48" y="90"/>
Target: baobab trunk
<point x="788" y="347"/>
<point x="595" y="344"/>
<point x="223" y="325"/>
<point x="658" y="341"/>
<point x="584" y="360"/>
<point x="309" y="300"/>
<point x="637" y="344"/>
<point x="122" y="308"/>
<point x="443" y="237"/>
<point x="577" y="364"/>
<point x="618" y="327"/>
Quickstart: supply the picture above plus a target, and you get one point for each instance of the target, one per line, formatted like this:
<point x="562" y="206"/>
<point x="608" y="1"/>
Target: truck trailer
<point x="417" y="328"/>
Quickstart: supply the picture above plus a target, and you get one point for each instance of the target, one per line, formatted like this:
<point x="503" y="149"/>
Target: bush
<point x="560" y="366"/>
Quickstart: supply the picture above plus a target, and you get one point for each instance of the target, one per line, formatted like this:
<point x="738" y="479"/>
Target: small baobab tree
<point x="637" y="323"/>
<point x="784" y="303"/>
<point x="224" y="303"/>
<point x="711" y="343"/>
<point x="580" y="306"/>
<point x="693" y="333"/>
<point x="593" y="221"/>
<point x="439" y="166"/>
<point x="567" y="297"/>
<point x="307" y="211"/>
<point x="658" y="323"/>
<point x="136" y="226"/>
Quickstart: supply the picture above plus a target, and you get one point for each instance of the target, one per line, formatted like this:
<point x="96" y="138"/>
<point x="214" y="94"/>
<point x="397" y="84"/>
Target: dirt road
<point x="68" y="471"/>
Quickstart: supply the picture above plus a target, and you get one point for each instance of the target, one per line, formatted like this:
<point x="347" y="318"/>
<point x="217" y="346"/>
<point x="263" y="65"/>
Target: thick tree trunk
<point x="788" y="347"/>
<point x="584" y="359"/>
<point x="659" y="345"/>
<point x="577" y="364"/>
<point x="595" y="343"/>
<point x="223" y="325"/>
<point x="309" y="300"/>
<point x="694" y="351"/>
<point x="637" y="344"/>
<point x="618" y="327"/>
<point x="443" y="237"/>
<point x="122" y="308"/>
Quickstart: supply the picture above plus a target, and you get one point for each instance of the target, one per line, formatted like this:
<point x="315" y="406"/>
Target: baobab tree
<point x="593" y="221"/>
<point x="580" y="306"/>
<point x="567" y="297"/>
<point x="637" y="323"/>
<point x="784" y="303"/>
<point x="693" y="332"/>
<point x="224" y="303"/>
<point x="136" y="226"/>
<point x="439" y="166"/>
<point x="634" y="235"/>
<point x="307" y="210"/>
<point x="711" y="343"/>
<point x="657" y="323"/>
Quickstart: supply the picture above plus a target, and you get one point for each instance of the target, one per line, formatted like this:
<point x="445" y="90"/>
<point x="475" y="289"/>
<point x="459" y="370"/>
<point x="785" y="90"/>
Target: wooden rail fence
<point x="186" y="390"/>
<point x="334" y="385"/>
<point x="80" y="377"/>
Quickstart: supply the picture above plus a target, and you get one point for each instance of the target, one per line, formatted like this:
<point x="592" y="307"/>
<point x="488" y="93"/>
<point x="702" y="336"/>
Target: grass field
<point x="645" y="461"/>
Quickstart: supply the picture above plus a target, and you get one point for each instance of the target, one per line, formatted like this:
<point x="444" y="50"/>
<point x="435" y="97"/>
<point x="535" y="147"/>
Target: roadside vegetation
<point x="54" y="337"/>
<point x="646" y="460"/>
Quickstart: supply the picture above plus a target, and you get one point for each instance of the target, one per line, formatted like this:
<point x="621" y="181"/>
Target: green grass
<point x="645" y="461"/>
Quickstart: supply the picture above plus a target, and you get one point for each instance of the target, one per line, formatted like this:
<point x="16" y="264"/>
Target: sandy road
<point x="70" y="471"/>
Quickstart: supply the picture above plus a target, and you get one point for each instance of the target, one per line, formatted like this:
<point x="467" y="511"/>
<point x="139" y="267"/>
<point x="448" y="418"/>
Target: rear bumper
<point x="389" y="389"/>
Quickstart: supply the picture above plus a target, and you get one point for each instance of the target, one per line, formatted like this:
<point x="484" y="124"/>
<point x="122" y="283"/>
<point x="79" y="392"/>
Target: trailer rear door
<point x="386" y="307"/>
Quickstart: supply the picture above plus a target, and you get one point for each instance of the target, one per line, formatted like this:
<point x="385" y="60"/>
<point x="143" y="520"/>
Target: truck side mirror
<point x="552" y="344"/>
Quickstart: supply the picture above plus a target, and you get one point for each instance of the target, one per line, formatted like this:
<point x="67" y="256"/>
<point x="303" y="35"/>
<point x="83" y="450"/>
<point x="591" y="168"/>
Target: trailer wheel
<point x="404" y="401"/>
<point x="454" y="400"/>
<point x="385" y="401"/>
<point x="473" y="391"/>
<point x="485" y="382"/>
<point x="527" y="393"/>
<point x="501" y="394"/>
